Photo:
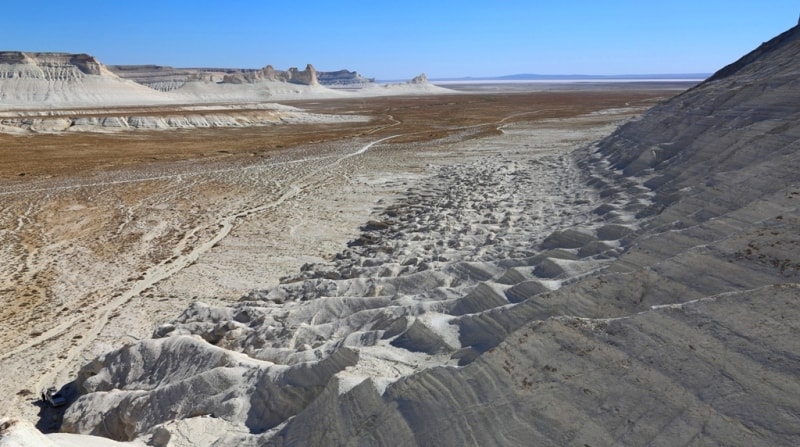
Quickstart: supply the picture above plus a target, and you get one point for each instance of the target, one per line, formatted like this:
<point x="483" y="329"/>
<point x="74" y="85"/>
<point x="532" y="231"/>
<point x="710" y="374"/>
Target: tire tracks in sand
<point x="163" y="270"/>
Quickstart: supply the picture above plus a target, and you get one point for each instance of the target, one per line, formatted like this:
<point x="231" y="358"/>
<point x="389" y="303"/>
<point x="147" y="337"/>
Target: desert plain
<point x="105" y="236"/>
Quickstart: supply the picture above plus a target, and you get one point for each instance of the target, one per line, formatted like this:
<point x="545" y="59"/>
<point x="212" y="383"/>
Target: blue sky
<point x="400" y="39"/>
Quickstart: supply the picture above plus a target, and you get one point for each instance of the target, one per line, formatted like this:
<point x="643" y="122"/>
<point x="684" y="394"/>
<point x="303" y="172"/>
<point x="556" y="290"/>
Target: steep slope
<point x="504" y="303"/>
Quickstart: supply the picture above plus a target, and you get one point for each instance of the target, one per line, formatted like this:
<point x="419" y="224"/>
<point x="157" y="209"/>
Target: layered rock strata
<point x="169" y="78"/>
<point x="47" y="79"/>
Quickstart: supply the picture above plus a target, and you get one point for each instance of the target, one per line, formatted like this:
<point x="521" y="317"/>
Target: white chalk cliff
<point x="662" y="308"/>
<point x="169" y="78"/>
<point x="32" y="80"/>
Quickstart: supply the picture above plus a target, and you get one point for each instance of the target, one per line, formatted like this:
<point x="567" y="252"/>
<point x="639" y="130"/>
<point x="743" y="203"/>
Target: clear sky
<point x="400" y="39"/>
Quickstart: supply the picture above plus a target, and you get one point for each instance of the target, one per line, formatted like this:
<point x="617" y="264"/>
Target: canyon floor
<point x="106" y="236"/>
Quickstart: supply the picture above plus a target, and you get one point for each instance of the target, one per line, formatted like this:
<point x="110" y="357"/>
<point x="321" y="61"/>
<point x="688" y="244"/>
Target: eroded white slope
<point x="45" y="80"/>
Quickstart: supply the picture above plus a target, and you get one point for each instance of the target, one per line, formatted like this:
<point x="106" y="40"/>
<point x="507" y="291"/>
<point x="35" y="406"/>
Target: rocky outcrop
<point x="419" y="79"/>
<point x="343" y="79"/>
<point x="293" y="75"/>
<point x="185" y="377"/>
<point x="644" y="290"/>
<point x="48" y="66"/>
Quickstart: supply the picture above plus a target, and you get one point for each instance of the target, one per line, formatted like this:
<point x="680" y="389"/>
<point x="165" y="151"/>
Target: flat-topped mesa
<point x="293" y="75"/>
<point x="343" y="78"/>
<point x="165" y="78"/>
<point x="49" y="66"/>
<point x="161" y="78"/>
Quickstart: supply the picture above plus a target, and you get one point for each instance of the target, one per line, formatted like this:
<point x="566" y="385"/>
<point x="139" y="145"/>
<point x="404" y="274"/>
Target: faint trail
<point x="379" y="128"/>
<point x="167" y="268"/>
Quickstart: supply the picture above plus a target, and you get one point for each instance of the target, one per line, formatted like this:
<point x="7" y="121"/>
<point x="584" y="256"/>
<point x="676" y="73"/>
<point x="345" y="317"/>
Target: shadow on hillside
<point x="51" y="418"/>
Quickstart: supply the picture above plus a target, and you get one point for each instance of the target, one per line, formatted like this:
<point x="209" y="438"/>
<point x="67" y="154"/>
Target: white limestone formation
<point x="44" y="80"/>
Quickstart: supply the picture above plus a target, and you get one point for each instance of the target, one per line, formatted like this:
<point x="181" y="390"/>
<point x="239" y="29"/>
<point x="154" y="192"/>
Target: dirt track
<point x="103" y="237"/>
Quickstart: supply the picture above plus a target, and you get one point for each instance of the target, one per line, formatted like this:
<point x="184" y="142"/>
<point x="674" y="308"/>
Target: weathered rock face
<point x="162" y="78"/>
<point x="419" y="79"/>
<point x="48" y="66"/>
<point x="307" y="76"/>
<point x="661" y="306"/>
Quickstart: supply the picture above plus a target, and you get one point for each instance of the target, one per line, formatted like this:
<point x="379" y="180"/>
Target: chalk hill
<point x="665" y="311"/>
<point x="34" y="80"/>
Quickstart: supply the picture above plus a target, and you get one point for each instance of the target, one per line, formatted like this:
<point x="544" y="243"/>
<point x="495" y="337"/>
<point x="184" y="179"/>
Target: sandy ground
<point x="104" y="237"/>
